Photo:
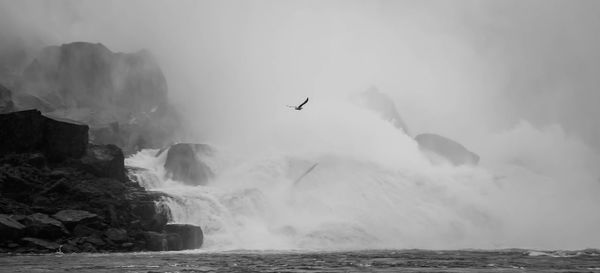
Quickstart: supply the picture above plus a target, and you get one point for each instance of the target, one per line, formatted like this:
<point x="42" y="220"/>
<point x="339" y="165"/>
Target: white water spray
<point x="372" y="188"/>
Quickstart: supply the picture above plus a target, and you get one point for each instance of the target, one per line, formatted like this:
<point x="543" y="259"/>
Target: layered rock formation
<point x="55" y="190"/>
<point x="439" y="147"/>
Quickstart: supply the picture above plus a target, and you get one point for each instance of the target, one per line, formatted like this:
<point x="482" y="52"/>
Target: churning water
<point x="373" y="189"/>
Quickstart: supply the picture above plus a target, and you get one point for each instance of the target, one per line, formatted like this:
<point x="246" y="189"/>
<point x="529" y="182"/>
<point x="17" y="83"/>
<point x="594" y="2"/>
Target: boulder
<point x="83" y="231"/>
<point x="43" y="226"/>
<point x="151" y="216"/>
<point x="438" y="146"/>
<point x="94" y="239"/>
<point x="6" y="100"/>
<point x="383" y="105"/>
<point x="155" y="241"/>
<point x="29" y="131"/>
<point x="10" y="229"/>
<point x="116" y="234"/>
<point x="22" y="131"/>
<point x="183" y="163"/>
<point x="174" y="242"/>
<point x="71" y="218"/>
<point x="105" y="161"/>
<point x="41" y="243"/>
<point x="64" y="139"/>
<point x="191" y="236"/>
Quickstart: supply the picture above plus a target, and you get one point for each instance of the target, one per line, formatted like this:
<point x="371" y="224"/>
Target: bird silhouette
<point x="299" y="107"/>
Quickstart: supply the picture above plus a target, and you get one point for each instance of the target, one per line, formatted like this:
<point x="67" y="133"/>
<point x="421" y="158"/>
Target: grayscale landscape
<point x="299" y="136"/>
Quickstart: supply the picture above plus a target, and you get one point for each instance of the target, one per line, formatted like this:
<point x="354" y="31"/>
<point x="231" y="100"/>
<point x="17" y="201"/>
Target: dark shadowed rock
<point x="174" y="242"/>
<point x="6" y="100"/>
<point x="155" y="241"/>
<point x="71" y="218"/>
<point x="105" y="161"/>
<point x="21" y="131"/>
<point x="446" y="148"/>
<point x="383" y="105"/>
<point x="116" y="234"/>
<point x="36" y="160"/>
<point x="43" y="226"/>
<point x="183" y="163"/>
<point x="83" y="231"/>
<point x="41" y="243"/>
<point x="151" y="216"/>
<point x="29" y="131"/>
<point x="191" y="236"/>
<point x="10" y="229"/>
<point x="64" y="139"/>
<point x="95" y="239"/>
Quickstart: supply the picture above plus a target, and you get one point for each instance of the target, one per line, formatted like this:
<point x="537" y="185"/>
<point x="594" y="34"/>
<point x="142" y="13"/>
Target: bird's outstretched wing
<point x="300" y="106"/>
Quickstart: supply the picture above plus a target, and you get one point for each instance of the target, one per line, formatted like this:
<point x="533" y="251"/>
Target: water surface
<point x="289" y="261"/>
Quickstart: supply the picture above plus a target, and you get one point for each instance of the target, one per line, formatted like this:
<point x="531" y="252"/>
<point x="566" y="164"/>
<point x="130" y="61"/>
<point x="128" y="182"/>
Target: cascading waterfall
<point x="372" y="188"/>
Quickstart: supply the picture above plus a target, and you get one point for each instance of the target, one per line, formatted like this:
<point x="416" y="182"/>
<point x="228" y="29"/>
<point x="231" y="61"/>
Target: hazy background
<point x="460" y="68"/>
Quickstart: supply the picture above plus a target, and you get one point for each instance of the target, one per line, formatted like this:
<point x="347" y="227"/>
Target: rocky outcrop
<point x="436" y="146"/>
<point x="105" y="161"/>
<point x="82" y="200"/>
<point x="30" y="131"/>
<point x="183" y="163"/>
<point x="383" y="105"/>
<point x="122" y="96"/>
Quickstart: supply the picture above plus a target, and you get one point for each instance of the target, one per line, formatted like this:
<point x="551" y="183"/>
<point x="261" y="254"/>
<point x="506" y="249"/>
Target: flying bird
<point x="299" y="107"/>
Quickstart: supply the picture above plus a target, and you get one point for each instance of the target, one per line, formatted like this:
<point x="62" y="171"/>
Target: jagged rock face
<point x="382" y="104"/>
<point x="94" y="207"/>
<point x="90" y="75"/>
<point x="6" y="100"/>
<point x="123" y="97"/>
<point x="446" y="148"/>
<point x="183" y="163"/>
<point x="29" y="131"/>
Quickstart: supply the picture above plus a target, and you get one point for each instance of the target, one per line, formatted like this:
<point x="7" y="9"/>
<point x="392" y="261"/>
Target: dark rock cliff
<point x="56" y="190"/>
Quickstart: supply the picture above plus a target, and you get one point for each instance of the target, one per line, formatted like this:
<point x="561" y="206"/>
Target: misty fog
<point x="515" y="81"/>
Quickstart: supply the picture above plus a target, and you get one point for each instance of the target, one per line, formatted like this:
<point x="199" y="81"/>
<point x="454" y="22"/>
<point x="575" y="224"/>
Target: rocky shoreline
<point x="58" y="192"/>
